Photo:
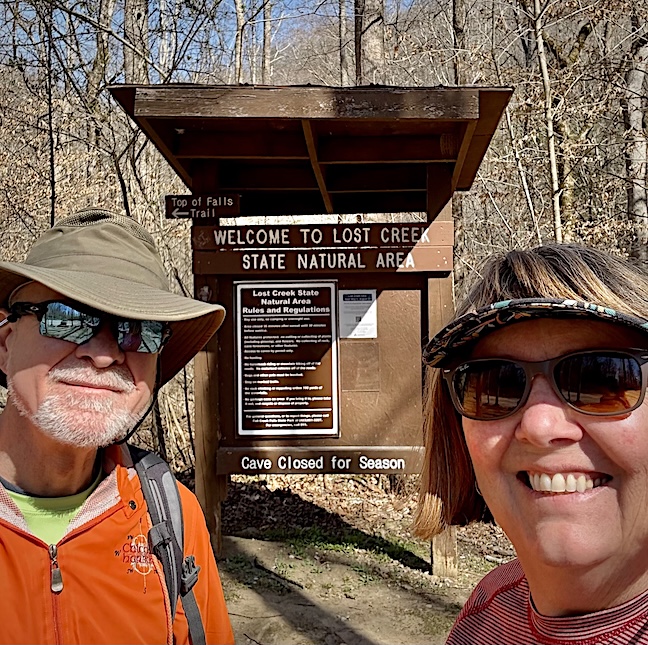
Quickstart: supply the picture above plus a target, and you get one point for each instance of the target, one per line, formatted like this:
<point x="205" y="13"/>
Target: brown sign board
<point x="423" y="259"/>
<point x="308" y="249"/>
<point x="325" y="338"/>
<point x="268" y="416"/>
<point x="344" y="236"/>
<point x="202" y="207"/>
<point x="287" y="366"/>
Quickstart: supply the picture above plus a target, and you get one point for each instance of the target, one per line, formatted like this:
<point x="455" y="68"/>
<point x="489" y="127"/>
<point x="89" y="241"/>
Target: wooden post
<point x="444" y="554"/>
<point x="211" y="488"/>
<point x="443" y="550"/>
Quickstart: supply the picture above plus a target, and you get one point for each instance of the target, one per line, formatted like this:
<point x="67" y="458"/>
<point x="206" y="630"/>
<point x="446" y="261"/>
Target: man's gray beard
<point x="79" y="420"/>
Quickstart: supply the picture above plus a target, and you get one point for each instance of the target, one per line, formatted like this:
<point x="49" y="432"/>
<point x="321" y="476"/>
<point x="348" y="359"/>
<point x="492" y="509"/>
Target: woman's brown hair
<point x="447" y="493"/>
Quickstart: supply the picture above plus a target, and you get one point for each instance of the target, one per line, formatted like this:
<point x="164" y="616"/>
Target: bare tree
<point x="238" y="43"/>
<point x="635" y="106"/>
<point x="136" y="33"/>
<point x="345" y="78"/>
<point x="266" y="67"/>
<point x="370" y="41"/>
<point x="458" y="69"/>
<point x="538" y="16"/>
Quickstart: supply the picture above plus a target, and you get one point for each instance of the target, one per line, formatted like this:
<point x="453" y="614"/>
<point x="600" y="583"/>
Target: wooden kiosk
<point x="317" y="368"/>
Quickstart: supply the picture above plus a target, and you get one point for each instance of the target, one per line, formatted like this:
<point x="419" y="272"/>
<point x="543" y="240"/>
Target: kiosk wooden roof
<point x="313" y="150"/>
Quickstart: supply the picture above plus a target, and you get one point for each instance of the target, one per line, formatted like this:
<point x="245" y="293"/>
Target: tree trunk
<point x="358" y="7"/>
<point x="50" y="115"/>
<point x="343" y="35"/>
<point x="549" y="119"/>
<point x="266" y="68"/>
<point x="136" y="34"/>
<point x="370" y="41"/>
<point x="458" y="68"/>
<point x="238" y="44"/>
<point x="97" y="74"/>
<point x="636" y="151"/>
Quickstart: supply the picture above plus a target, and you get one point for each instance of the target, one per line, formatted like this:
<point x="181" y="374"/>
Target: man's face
<point x="86" y="395"/>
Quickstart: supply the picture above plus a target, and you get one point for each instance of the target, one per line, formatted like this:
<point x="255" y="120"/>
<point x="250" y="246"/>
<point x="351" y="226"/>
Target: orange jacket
<point x="113" y="589"/>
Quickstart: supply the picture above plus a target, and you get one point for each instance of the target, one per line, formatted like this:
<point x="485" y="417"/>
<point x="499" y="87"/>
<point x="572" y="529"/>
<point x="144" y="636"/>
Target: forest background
<point x="568" y="163"/>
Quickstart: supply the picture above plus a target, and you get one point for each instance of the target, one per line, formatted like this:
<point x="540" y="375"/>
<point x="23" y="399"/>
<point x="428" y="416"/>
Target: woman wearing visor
<point x="536" y="414"/>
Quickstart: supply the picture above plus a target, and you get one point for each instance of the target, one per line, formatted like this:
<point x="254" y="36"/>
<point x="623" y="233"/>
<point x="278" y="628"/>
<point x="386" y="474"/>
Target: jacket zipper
<point x="56" y="585"/>
<point x="57" y="578"/>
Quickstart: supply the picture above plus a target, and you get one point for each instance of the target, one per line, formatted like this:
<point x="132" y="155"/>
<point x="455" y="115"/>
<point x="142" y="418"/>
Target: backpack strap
<point x="166" y="537"/>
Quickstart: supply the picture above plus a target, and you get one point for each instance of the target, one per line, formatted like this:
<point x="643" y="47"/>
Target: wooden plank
<point x="197" y="144"/>
<point x="439" y="191"/>
<point x="254" y="176"/>
<point x="492" y="104"/>
<point x="375" y="177"/>
<point x="446" y="216"/>
<point x="440" y="303"/>
<point x="302" y="202"/>
<point x="463" y="151"/>
<point x="323" y="262"/>
<point x="299" y="202"/>
<point x="161" y="138"/>
<point x="397" y="149"/>
<point x="388" y="235"/>
<point x="306" y="102"/>
<point x="311" y="144"/>
<point x="392" y="202"/>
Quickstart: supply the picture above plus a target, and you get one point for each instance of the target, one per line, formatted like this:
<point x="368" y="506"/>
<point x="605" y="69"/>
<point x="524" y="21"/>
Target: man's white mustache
<point x="114" y="378"/>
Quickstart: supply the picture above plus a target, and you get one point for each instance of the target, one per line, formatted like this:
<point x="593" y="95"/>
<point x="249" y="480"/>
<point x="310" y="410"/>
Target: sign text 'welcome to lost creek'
<point x="347" y="248"/>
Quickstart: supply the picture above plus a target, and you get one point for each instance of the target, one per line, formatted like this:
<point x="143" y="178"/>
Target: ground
<point x="330" y="560"/>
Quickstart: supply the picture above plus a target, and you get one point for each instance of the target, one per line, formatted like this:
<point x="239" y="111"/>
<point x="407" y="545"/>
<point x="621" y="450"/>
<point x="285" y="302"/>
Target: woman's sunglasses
<point x="79" y="324"/>
<point x="599" y="382"/>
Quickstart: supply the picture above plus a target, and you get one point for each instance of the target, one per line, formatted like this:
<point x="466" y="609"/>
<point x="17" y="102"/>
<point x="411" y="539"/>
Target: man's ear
<point x="5" y="330"/>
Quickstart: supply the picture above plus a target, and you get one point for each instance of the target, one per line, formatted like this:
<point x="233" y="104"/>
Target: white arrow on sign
<point x="176" y="212"/>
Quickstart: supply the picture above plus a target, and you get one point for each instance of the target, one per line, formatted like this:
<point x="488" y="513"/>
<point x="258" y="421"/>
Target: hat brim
<point x="193" y="322"/>
<point x="458" y="336"/>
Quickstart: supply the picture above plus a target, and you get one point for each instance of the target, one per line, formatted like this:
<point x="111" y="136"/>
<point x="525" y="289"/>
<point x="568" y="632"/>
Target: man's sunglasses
<point x="79" y="324"/>
<point x="600" y="382"/>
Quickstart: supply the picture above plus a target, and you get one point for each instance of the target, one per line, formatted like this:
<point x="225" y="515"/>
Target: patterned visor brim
<point x="470" y="327"/>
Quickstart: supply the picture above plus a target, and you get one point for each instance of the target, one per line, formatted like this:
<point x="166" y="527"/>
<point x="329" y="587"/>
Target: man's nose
<point x="102" y="349"/>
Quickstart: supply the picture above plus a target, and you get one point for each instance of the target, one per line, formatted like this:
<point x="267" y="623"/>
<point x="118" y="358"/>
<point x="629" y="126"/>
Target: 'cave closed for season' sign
<point x="287" y="371"/>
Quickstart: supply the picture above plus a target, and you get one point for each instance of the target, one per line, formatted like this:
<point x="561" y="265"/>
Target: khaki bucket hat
<point x="110" y="263"/>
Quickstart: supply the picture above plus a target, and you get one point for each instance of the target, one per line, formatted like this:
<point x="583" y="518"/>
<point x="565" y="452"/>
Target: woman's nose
<point x="546" y="418"/>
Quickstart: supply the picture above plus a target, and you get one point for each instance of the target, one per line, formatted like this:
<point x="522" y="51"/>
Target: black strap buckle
<point x="189" y="574"/>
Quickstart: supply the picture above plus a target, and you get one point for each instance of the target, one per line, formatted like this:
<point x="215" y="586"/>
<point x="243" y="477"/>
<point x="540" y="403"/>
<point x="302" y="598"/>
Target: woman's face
<point x="605" y="527"/>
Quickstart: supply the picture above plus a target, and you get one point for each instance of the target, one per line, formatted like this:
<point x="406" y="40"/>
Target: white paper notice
<point x="358" y="313"/>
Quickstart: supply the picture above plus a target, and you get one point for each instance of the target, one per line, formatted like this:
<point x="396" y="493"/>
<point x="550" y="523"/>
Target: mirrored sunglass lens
<point x="66" y="323"/>
<point x="140" y="335"/>
<point x="489" y="389"/>
<point x="602" y="383"/>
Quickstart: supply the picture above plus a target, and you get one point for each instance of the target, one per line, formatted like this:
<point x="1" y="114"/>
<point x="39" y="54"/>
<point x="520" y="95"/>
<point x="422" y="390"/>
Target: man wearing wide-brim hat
<point x="89" y="331"/>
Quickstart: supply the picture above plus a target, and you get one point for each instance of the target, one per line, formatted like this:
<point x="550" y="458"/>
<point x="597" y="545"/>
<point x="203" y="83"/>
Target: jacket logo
<point x="135" y="553"/>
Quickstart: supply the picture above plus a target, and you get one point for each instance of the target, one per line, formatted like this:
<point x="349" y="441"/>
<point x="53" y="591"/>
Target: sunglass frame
<point x="546" y="368"/>
<point x="40" y="309"/>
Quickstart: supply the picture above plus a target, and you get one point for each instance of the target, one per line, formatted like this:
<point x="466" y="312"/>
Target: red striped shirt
<point x="499" y="612"/>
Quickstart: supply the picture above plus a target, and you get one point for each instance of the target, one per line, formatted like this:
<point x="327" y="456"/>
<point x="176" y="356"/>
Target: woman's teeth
<point x="565" y="483"/>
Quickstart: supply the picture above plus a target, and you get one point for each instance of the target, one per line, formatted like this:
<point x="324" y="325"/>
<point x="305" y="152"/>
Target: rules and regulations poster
<point x="287" y="359"/>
